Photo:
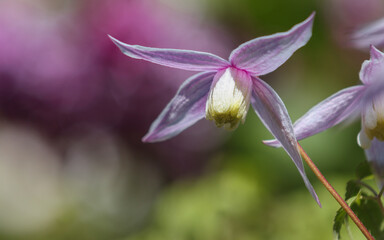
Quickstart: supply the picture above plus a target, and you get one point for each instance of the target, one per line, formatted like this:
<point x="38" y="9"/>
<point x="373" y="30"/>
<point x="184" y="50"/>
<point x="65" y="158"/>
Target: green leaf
<point x="338" y="222"/>
<point x="352" y="188"/>
<point x="369" y="212"/>
<point x="363" y="170"/>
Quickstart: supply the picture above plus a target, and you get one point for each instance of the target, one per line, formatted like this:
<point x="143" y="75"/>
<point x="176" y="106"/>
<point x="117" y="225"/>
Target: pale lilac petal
<point x="374" y="90"/>
<point x="263" y="55"/>
<point x="175" y="58"/>
<point x="185" y="109"/>
<point x="371" y="34"/>
<point x="373" y="69"/>
<point x="272" y="112"/>
<point x="375" y="155"/>
<point x="327" y="113"/>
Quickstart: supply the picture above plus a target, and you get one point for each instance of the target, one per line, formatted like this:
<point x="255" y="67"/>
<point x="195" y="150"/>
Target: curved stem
<point x="377" y="196"/>
<point x="333" y="192"/>
<point x="367" y="186"/>
<point x="381" y="192"/>
<point x="379" y="200"/>
<point x="380" y="205"/>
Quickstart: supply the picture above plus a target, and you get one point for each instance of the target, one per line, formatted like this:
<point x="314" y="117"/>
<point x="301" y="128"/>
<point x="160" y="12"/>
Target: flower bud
<point x="372" y="122"/>
<point x="229" y="98"/>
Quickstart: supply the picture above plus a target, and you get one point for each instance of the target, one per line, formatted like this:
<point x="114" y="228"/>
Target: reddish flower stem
<point x="333" y="192"/>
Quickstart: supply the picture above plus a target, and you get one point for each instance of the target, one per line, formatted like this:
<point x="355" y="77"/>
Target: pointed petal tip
<point x="272" y="143"/>
<point x="117" y="43"/>
<point x="151" y="138"/>
<point x="318" y="201"/>
<point x="312" y="16"/>
<point x="312" y="192"/>
<point x="146" y="139"/>
<point x="375" y="53"/>
<point x="112" y="38"/>
<point x="310" y="188"/>
<point x="310" y="19"/>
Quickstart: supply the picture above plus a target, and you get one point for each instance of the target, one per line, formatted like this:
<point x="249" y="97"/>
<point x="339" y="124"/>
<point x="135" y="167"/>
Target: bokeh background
<point x="73" y="109"/>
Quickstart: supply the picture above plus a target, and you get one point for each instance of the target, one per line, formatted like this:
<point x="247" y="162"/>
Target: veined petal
<point x="372" y="69"/>
<point x="327" y="113"/>
<point x="272" y="112"/>
<point x="375" y="155"/>
<point x="263" y="55"/>
<point x="175" y="58"/>
<point x="185" y="109"/>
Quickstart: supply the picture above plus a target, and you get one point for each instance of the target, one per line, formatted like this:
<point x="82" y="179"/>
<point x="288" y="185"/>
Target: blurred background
<point x="73" y="109"/>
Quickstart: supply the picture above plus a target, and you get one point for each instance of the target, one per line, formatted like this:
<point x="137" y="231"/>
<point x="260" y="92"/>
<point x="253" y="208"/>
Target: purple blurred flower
<point x="224" y="89"/>
<point x="371" y="34"/>
<point x="66" y="76"/>
<point x="365" y="99"/>
<point x="345" y="16"/>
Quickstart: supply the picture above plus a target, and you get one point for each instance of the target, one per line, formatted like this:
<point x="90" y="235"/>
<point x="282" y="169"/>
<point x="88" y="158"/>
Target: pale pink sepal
<point x="185" y="109"/>
<point x="264" y="54"/>
<point x="272" y="112"/>
<point x="175" y="58"/>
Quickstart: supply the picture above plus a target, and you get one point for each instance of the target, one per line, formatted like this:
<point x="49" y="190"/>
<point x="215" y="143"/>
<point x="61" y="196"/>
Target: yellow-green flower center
<point x="372" y="123"/>
<point x="377" y="132"/>
<point x="229" y="98"/>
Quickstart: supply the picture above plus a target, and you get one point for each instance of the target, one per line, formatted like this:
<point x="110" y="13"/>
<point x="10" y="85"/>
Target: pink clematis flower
<point x="223" y="91"/>
<point x="366" y="99"/>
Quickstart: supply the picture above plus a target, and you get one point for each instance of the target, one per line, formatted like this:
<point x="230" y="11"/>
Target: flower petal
<point x="272" y="112"/>
<point x="326" y="114"/>
<point x="375" y="155"/>
<point x="263" y="55"/>
<point x="371" y="34"/>
<point x="372" y="69"/>
<point x="185" y="109"/>
<point x="175" y="58"/>
<point x="363" y="140"/>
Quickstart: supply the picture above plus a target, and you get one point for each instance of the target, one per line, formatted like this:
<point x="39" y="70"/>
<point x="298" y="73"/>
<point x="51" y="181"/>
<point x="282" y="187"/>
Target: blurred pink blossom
<point x="345" y="16"/>
<point x="59" y="71"/>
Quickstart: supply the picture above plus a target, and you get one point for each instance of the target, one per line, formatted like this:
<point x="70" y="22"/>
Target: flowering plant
<point x="223" y="91"/>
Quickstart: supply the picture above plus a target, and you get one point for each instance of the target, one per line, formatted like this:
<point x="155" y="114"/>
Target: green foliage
<point x="365" y="202"/>
<point x="353" y="189"/>
<point x="363" y="170"/>
<point x="340" y="219"/>
<point x="234" y="202"/>
<point x="369" y="212"/>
